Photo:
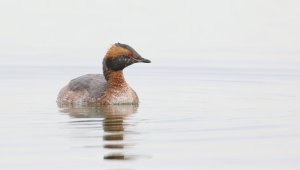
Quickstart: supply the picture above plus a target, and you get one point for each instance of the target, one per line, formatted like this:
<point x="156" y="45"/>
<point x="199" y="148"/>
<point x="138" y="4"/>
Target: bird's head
<point x="119" y="56"/>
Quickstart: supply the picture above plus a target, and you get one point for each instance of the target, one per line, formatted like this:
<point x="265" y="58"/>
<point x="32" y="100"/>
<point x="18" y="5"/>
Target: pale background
<point x="222" y="91"/>
<point x="78" y="32"/>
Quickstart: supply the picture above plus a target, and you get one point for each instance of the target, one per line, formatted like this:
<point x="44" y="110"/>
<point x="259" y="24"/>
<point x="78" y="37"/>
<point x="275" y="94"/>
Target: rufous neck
<point x="116" y="79"/>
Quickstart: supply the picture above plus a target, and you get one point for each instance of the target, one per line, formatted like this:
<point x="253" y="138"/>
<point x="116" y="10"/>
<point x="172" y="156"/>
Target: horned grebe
<point x="107" y="89"/>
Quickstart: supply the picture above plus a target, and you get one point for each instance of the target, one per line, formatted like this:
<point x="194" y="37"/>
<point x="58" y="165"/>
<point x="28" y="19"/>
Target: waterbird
<point x="109" y="88"/>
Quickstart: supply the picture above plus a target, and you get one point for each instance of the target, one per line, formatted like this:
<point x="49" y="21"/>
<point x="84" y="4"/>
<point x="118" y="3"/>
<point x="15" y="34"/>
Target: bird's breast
<point x="120" y="96"/>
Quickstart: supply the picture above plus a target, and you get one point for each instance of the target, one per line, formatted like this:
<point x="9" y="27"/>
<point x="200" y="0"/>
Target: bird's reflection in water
<point x="114" y="125"/>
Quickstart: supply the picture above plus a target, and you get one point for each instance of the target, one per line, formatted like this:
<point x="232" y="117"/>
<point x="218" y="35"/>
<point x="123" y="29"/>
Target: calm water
<point x="190" y="117"/>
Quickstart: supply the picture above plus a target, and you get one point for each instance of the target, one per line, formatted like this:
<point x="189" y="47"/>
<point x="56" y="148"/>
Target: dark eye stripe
<point x="118" y="63"/>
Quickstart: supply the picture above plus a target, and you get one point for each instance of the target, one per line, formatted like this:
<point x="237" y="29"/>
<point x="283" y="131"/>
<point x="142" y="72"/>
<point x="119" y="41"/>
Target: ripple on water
<point x="112" y="123"/>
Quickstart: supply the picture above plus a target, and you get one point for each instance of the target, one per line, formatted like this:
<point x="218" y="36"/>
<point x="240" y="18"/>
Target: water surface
<point x="190" y="117"/>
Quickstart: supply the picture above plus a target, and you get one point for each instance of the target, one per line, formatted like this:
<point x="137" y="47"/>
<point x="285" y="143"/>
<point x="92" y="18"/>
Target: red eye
<point x="130" y="54"/>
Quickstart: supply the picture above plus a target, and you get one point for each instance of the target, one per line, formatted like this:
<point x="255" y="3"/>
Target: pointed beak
<point x="140" y="59"/>
<point x="145" y="60"/>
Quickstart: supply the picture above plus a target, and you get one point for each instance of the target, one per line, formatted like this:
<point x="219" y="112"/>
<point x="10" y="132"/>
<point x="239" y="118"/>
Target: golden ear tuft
<point x="117" y="51"/>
